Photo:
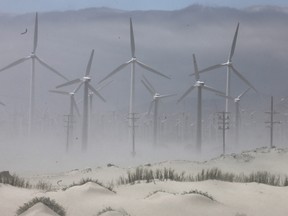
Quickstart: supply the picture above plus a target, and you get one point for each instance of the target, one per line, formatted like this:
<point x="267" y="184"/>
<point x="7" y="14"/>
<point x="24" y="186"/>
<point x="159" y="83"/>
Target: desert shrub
<point x="148" y="175"/>
<point x="108" y="209"/>
<point x="42" y="185"/>
<point x="264" y="178"/>
<point x="84" y="181"/>
<point x="285" y="181"/>
<point x="141" y="174"/>
<point x="157" y="191"/>
<point x="15" y="181"/>
<point x="214" y="174"/>
<point x="200" y="193"/>
<point x="46" y="201"/>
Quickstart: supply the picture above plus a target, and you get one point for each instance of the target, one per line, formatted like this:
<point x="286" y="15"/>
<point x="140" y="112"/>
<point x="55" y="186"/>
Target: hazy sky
<point x="22" y="6"/>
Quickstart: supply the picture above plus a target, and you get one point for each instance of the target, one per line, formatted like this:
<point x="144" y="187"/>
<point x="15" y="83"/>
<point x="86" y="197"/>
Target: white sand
<point x="164" y="198"/>
<point x="39" y="209"/>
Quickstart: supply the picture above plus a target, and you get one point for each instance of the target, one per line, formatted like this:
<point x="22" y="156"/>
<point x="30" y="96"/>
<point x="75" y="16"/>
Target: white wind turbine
<point x="230" y="68"/>
<point x="33" y="58"/>
<point x="155" y="102"/>
<point x="87" y="86"/>
<point x="133" y="61"/>
<point x="73" y="106"/>
<point x="237" y="112"/>
<point x="199" y="85"/>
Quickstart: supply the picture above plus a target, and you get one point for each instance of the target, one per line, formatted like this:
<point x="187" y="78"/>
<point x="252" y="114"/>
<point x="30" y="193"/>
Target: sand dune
<point x="39" y="209"/>
<point x="167" y="198"/>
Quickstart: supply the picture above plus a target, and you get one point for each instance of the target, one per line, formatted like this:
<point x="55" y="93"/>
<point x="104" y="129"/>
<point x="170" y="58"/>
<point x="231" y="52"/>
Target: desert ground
<point x="167" y="188"/>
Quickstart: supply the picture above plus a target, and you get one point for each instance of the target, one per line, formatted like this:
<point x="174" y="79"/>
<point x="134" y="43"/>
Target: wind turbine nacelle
<point x="199" y="84"/>
<point x="228" y="63"/>
<point x="86" y="79"/>
<point x="236" y="100"/>
<point x="156" y="96"/>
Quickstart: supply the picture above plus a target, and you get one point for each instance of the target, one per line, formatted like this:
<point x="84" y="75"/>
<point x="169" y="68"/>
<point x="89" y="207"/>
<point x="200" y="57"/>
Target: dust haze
<point x="165" y="40"/>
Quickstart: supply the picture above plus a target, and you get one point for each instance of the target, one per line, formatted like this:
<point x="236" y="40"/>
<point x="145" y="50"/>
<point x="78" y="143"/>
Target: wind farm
<point x="144" y="141"/>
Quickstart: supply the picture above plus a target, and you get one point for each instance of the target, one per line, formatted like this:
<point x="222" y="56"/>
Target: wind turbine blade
<point x="69" y="83"/>
<point x="96" y="92"/>
<point x="212" y="89"/>
<point x="15" y="63"/>
<point x="104" y="85"/>
<point x="78" y="87"/>
<point x="59" y="92"/>
<point x="196" y="72"/>
<point x="88" y="69"/>
<point x="35" y="34"/>
<point x="224" y="96"/>
<point x="148" y="88"/>
<point x="233" y="44"/>
<point x="150" y="107"/>
<point x="243" y="93"/>
<point x="243" y="78"/>
<point x="50" y="68"/>
<point x="75" y="106"/>
<point x="115" y="71"/>
<point x="151" y="69"/>
<point x="132" y="41"/>
<point x="2" y="103"/>
<point x="165" y="96"/>
<point x="186" y="93"/>
<point x="149" y="84"/>
<point x="211" y="68"/>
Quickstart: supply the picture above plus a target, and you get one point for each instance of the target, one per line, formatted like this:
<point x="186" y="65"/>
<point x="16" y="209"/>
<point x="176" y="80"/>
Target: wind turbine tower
<point x="85" y="81"/>
<point x="133" y="61"/>
<point x="71" y="116"/>
<point x="200" y="85"/>
<point x="156" y="99"/>
<point x="237" y="115"/>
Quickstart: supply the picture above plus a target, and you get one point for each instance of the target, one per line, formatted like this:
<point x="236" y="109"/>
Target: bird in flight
<point x="26" y="30"/>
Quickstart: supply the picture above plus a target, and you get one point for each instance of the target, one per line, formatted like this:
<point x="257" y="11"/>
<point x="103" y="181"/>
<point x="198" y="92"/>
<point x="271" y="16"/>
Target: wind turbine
<point x="237" y="112"/>
<point x="199" y="85"/>
<point x="156" y="99"/>
<point x="230" y="68"/>
<point x="33" y="58"/>
<point x="73" y="106"/>
<point x="133" y="61"/>
<point x="85" y="81"/>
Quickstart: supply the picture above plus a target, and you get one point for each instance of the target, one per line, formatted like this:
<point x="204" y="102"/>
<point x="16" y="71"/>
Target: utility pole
<point x="132" y="117"/>
<point x="223" y="124"/>
<point x="272" y="122"/>
<point x="69" y="125"/>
